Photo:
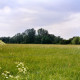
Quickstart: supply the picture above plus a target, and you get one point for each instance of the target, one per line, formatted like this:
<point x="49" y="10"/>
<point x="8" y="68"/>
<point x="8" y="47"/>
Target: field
<point x="39" y="62"/>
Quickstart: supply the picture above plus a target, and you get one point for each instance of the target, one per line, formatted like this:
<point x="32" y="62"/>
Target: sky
<point x="59" y="17"/>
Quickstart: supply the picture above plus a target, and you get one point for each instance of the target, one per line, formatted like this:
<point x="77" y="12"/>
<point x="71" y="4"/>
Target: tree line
<point x="41" y="36"/>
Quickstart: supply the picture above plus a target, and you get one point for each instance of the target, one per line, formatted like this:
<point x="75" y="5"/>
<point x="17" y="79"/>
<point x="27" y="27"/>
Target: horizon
<point x="37" y="34"/>
<point x="60" y="17"/>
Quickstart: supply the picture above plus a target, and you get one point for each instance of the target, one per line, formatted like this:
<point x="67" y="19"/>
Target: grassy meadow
<point x="39" y="62"/>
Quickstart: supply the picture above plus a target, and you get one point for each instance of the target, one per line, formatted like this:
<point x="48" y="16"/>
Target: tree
<point x="42" y="32"/>
<point x="5" y="39"/>
<point x="43" y="37"/>
<point x="18" y="38"/>
<point x="30" y="35"/>
<point x="46" y="40"/>
<point x="76" y="40"/>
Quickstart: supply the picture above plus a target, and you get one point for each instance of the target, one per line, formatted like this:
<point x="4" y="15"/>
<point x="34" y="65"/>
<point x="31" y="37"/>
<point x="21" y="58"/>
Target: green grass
<point x="44" y="62"/>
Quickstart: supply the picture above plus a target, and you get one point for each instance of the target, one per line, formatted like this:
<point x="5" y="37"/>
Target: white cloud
<point x="60" y="17"/>
<point x="66" y="29"/>
<point x="5" y="10"/>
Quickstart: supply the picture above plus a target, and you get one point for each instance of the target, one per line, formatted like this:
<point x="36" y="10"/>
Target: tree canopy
<point x="41" y="36"/>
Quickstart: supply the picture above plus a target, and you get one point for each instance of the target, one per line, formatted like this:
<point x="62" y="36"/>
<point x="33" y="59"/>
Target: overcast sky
<point x="59" y="17"/>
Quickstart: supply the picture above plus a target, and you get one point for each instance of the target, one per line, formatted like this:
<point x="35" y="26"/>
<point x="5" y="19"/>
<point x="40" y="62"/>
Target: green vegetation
<point x="30" y="36"/>
<point x="1" y="42"/>
<point x="39" y="62"/>
<point x="76" y="40"/>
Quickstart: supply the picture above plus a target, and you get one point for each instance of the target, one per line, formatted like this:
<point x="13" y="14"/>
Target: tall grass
<point x="42" y="62"/>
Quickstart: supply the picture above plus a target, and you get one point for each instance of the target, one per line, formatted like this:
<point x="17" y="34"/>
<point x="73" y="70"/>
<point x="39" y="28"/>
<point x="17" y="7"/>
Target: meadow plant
<point x="0" y="68"/>
<point x="45" y="62"/>
<point x="21" y="70"/>
<point x="6" y="75"/>
<point x="21" y="67"/>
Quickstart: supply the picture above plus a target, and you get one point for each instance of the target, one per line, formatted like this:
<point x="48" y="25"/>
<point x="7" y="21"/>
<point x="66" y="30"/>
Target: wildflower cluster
<point x="7" y="74"/>
<point x="19" y="76"/>
<point x="21" y="67"/>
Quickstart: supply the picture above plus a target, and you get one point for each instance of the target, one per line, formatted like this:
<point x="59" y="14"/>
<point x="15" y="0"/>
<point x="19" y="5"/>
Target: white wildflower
<point x="7" y="74"/>
<point x="21" y="67"/>
<point x="17" y="76"/>
<point x="6" y="77"/>
<point x="10" y="76"/>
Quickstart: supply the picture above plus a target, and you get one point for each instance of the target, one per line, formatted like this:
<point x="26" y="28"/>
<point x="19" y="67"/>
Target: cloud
<point x="66" y="29"/>
<point x="60" y="17"/>
<point x="6" y="10"/>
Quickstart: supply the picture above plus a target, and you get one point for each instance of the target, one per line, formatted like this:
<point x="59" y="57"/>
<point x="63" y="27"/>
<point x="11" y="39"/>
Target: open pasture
<point x="39" y="62"/>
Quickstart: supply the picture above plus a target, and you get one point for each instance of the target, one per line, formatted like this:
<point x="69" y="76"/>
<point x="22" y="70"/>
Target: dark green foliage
<point x="76" y="40"/>
<point x="46" y="40"/>
<point x="42" y="36"/>
<point x="42" y="32"/>
<point x="30" y="33"/>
